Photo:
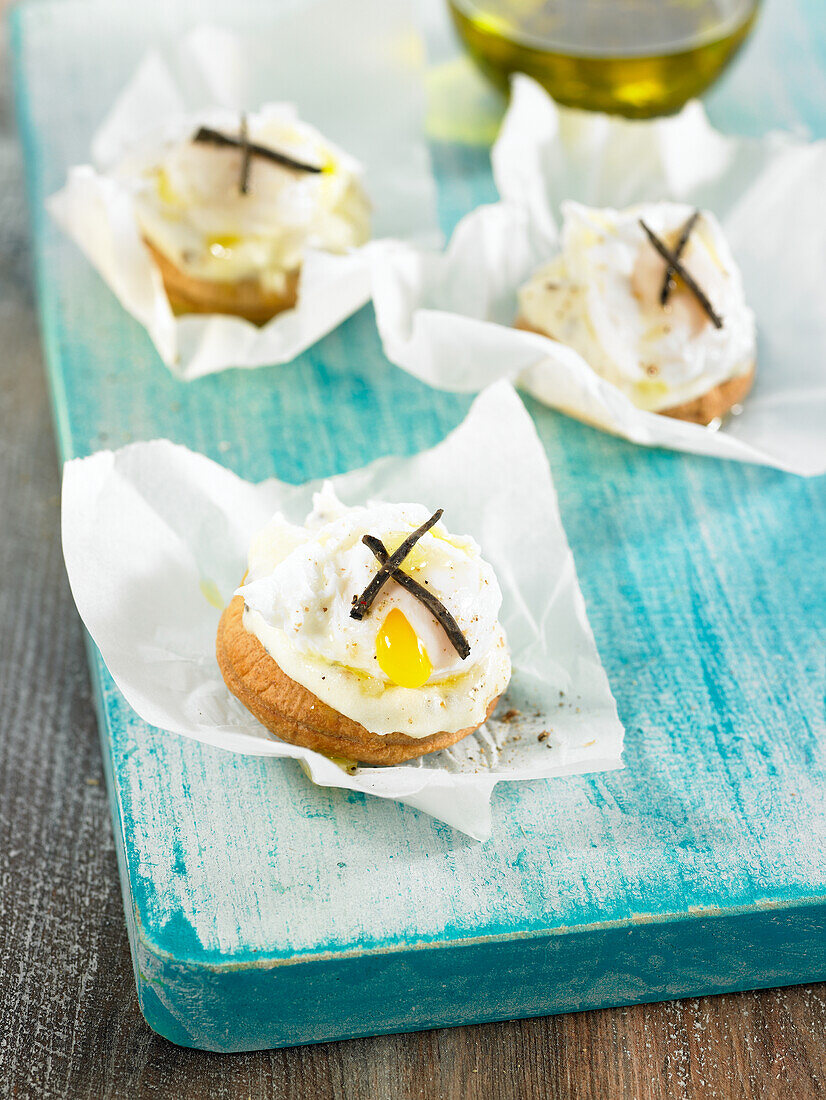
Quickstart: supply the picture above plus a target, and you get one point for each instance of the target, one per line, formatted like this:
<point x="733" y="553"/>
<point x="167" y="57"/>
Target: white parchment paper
<point x="447" y="317"/>
<point x="208" y="81"/>
<point x="155" y="539"/>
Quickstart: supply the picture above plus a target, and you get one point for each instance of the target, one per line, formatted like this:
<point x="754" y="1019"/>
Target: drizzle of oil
<point x="649" y="391"/>
<point x="704" y="235"/>
<point x="416" y="561"/>
<point x="424" y="554"/>
<point x="209" y="590"/>
<point x="223" y="243"/>
<point x="166" y="192"/>
<point x="343" y="762"/>
<point x="346" y="765"/>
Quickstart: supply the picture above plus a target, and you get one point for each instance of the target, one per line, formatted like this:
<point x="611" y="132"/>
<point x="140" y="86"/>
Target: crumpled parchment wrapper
<point x="447" y="317"/>
<point x="156" y="538"/>
<point x="206" y="81"/>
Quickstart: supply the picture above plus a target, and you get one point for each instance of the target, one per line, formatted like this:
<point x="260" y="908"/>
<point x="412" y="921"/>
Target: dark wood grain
<point x="69" y="1020"/>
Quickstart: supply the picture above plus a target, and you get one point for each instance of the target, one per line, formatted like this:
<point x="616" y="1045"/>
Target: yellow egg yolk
<point x="402" y="657"/>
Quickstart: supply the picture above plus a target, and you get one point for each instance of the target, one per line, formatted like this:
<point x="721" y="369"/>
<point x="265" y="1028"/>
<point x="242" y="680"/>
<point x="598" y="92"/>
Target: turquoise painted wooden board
<point x="263" y="911"/>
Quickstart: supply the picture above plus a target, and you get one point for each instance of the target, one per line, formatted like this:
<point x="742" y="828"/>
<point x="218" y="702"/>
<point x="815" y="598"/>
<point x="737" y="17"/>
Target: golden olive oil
<point x="633" y="57"/>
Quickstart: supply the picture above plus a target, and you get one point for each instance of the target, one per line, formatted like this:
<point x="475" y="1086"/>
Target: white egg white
<point x="190" y="207"/>
<point x="299" y="592"/>
<point x="600" y="297"/>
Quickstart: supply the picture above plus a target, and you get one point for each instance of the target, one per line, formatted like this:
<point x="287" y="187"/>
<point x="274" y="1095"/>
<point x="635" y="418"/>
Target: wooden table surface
<point x="69" y="1019"/>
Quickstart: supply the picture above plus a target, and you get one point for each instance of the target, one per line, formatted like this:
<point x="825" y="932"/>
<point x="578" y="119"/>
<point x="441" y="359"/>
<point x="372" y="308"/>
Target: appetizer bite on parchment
<point x="157" y="537"/>
<point x="653" y="301"/>
<point x="370" y="633"/>
<point x="229" y="215"/>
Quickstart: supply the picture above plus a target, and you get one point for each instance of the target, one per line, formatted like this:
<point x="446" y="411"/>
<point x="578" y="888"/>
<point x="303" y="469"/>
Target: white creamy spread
<point x="298" y="595"/>
<point x="600" y="296"/>
<point x="190" y="206"/>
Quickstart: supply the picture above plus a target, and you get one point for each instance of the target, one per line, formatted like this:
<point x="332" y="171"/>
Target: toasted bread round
<point x="294" y="714"/>
<point x="245" y="298"/>
<point x="715" y="403"/>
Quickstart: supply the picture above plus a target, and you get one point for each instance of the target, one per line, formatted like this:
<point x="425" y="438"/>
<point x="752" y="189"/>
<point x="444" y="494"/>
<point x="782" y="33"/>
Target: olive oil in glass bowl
<point x="633" y="57"/>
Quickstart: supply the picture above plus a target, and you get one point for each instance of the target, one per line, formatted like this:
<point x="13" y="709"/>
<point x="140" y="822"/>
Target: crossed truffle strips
<point x="390" y="566"/>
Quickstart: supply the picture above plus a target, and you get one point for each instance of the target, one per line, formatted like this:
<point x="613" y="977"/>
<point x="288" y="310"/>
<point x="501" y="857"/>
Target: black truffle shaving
<point x="245" y="157"/>
<point x="668" y="280"/>
<point x="673" y="262"/>
<point x="207" y="136"/>
<point x="362" y="603"/>
<point x="434" y="605"/>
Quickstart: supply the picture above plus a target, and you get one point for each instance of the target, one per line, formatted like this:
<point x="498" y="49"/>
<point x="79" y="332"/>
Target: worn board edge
<point x="478" y="982"/>
<point x="717" y="953"/>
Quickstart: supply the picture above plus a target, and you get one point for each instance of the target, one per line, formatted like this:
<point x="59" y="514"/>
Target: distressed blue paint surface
<point x="263" y="911"/>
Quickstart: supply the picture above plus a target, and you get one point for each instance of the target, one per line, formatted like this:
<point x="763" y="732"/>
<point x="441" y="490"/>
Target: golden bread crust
<point x="294" y="714"/>
<point x="243" y="299"/>
<point x="716" y="402"/>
